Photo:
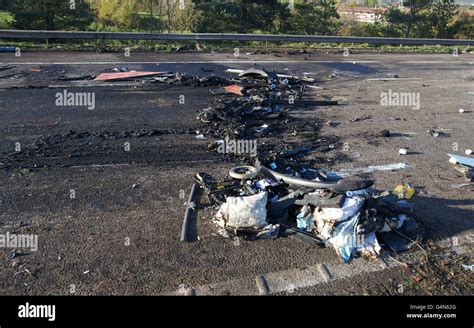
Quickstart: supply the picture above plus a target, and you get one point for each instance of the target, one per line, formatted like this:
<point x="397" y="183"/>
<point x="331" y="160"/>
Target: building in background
<point x="359" y="14"/>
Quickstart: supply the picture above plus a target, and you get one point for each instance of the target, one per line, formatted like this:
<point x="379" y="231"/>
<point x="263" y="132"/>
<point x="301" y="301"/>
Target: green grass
<point x="5" y="20"/>
<point x="170" y="46"/>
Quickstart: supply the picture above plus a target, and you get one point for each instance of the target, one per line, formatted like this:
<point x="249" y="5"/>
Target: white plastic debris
<point x="361" y="193"/>
<point x="349" y="209"/>
<point x="245" y="211"/>
<point x="270" y="231"/>
<point x="372" y="168"/>
<point x="452" y="160"/>
<point x="468" y="267"/>
<point x="402" y="151"/>
<point x="400" y="220"/>
<point x="369" y="245"/>
<point x="261" y="128"/>
<point x="262" y="184"/>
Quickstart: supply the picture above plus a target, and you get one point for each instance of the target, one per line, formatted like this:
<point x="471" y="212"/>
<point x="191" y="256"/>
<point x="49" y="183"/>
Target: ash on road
<point x="108" y="219"/>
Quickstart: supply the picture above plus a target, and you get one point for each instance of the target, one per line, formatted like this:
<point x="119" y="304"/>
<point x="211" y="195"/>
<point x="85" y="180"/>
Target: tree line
<point x="417" y="18"/>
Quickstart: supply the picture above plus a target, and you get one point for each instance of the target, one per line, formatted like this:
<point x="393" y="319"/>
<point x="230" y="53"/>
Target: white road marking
<point x="93" y="84"/>
<point x="98" y="165"/>
<point x="135" y="164"/>
<point x="287" y="281"/>
<point x="395" y="79"/>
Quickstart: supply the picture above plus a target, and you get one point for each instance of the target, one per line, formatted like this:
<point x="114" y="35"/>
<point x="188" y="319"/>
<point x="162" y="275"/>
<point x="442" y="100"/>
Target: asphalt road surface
<point x="107" y="200"/>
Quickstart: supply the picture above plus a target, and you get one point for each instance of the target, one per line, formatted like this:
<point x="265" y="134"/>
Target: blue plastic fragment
<point x="463" y="160"/>
<point x="303" y="222"/>
<point x="7" y="49"/>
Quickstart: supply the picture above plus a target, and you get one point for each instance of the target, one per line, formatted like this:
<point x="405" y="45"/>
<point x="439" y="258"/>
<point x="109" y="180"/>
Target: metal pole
<point x="189" y="207"/>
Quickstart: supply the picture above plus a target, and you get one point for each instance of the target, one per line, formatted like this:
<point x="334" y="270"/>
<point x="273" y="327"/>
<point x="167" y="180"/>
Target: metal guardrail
<point x="24" y="34"/>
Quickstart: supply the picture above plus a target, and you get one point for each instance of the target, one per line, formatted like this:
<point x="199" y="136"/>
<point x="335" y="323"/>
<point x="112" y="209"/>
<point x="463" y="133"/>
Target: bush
<point x="51" y="15"/>
<point x="240" y="16"/>
<point x="314" y="19"/>
<point x="217" y="18"/>
<point x="6" y="20"/>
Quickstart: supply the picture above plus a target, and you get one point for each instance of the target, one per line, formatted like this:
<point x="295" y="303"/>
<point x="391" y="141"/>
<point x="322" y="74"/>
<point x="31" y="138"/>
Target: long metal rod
<point x="187" y="214"/>
<point x="27" y="34"/>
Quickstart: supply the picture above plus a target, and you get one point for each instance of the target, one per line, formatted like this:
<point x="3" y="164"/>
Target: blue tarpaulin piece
<point x="345" y="238"/>
<point x="303" y="222"/>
